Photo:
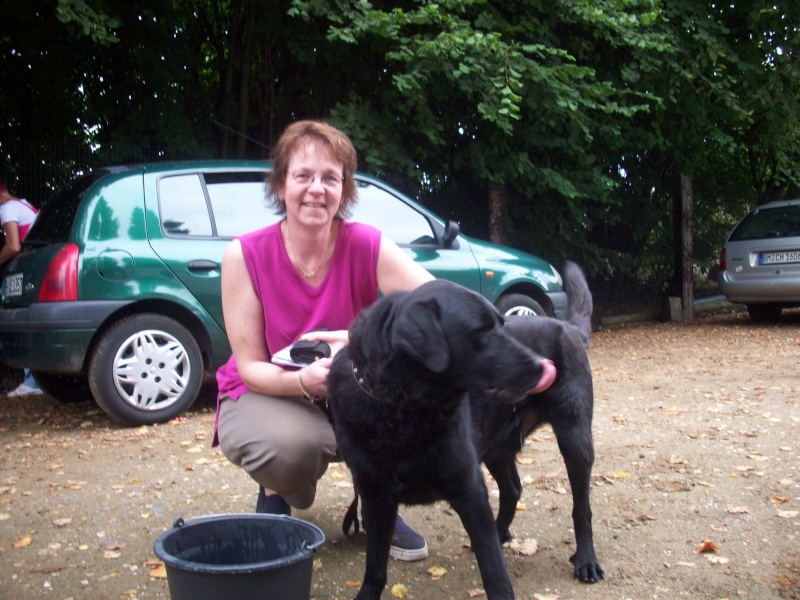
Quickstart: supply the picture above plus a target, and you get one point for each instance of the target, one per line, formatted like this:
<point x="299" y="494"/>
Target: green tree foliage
<point x="561" y="127"/>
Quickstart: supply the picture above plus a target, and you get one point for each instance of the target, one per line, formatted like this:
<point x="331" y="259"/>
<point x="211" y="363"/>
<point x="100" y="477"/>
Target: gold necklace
<point x="307" y="274"/>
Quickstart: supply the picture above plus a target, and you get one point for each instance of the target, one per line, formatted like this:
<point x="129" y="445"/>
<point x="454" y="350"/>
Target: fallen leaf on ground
<point x="22" y="542"/>
<point x="152" y="562"/>
<point x="116" y="545"/>
<point x="778" y="499"/>
<point x="158" y="572"/>
<point x="399" y="590"/>
<point x="47" y="570"/>
<point x="353" y="583"/>
<point x="62" y="522"/>
<point x="526" y="547"/>
<point x="787" y="514"/>
<point x="476" y="593"/>
<point x="738" y="510"/>
<point x="437" y="572"/>
<point x="706" y="546"/>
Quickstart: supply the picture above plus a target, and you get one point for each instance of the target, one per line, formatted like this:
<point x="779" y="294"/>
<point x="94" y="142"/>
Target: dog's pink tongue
<point x="547" y="378"/>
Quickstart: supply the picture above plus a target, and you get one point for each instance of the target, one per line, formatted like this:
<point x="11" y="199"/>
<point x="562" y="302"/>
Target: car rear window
<point x="54" y="222"/>
<point x="777" y="222"/>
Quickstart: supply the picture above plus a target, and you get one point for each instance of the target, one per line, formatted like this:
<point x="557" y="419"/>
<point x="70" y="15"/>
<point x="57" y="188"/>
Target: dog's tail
<point x="350" y="520"/>
<point x="579" y="300"/>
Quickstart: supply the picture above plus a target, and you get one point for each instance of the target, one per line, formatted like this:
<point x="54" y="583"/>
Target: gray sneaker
<point x="407" y="544"/>
<point x="24" y="390"/>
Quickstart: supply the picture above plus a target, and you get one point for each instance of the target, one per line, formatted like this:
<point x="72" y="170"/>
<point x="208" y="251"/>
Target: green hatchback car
<point x="116" y="293"/>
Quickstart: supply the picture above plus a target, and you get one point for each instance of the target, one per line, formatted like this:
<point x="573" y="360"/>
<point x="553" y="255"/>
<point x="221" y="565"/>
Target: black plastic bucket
<point x="242" y="556"/>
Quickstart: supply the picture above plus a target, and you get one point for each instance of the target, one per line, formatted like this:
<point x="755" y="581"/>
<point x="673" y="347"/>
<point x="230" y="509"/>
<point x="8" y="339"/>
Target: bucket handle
<point x="313" y="546"/>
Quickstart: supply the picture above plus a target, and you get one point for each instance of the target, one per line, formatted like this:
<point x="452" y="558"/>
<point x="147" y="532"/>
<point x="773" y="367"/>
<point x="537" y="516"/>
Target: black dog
<point x="567" y="405"/>
<point x="403" y="421"/>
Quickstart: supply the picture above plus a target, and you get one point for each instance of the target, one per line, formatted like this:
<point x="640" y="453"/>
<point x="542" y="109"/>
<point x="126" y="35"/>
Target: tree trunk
<point x="687" y="248"/>
<point x="497" y="214"/>
<point x="244" y="81"/>
<point x="225" y="98"/>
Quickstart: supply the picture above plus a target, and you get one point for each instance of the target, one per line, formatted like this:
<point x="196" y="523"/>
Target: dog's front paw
<point x="588" y="571"/>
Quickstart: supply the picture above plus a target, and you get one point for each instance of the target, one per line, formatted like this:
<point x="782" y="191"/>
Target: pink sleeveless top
<point x="291" y="305"/>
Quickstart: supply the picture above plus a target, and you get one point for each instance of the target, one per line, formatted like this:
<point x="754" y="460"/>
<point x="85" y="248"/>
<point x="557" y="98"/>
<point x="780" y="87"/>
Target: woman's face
<point x="308" y="202"/>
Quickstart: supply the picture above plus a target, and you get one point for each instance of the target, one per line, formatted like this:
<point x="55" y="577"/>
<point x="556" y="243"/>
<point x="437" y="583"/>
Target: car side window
<point x="183" y="206"/>
<point x="403" y="224"/>
<point x="239" y="206"/>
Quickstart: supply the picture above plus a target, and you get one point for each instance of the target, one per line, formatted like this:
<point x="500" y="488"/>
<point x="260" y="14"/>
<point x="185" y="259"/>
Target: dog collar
<point x="363" y="386"/>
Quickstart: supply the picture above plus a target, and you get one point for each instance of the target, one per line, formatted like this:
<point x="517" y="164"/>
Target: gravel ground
<point x="696" y="489"/>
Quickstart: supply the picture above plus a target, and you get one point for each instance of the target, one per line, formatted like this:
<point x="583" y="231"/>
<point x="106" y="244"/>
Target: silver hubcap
<point x="520" y="310"/>
<point x="151" y="370"/>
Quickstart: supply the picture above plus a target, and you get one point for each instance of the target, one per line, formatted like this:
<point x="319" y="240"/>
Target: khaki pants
<point x="284" y="443"/>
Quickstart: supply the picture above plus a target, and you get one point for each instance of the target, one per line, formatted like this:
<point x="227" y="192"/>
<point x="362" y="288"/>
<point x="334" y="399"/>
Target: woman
<point x="310" y="272"/>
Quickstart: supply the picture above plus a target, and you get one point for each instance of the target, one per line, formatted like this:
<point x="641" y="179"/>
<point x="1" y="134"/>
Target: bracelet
<point x="309" y="396"/>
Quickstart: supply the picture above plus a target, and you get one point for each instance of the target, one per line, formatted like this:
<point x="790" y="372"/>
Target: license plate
<point x="779" y="258"/>
<point x="12" y="285"/>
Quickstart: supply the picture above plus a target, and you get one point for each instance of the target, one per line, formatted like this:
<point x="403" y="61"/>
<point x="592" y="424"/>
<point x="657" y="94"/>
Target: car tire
<point x="146" y="369"/>
<point x="67" y="389"/>
<point x="519" y="304"/>
<point x="764" y="313"/>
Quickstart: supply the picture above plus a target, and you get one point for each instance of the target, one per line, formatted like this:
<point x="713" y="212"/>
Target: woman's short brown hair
<point x="334" y="141"/>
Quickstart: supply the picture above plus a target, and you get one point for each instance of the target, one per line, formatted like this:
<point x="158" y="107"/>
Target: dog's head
<point x="455" y="335"/>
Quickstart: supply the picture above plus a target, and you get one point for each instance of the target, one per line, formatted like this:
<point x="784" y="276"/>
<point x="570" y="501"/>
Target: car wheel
<point x="64" y="388"/>
<point x="764" y="313"/>
<point x="519" y="304"/>
<point x="146" y="369"/>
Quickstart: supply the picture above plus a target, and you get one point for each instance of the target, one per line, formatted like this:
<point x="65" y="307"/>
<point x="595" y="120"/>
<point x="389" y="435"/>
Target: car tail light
<point x="60" y="281"/>
<point x="722" y="260"/>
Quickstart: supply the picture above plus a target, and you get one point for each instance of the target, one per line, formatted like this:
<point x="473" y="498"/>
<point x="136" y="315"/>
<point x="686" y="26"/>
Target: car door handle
<point x="202" y="265"/>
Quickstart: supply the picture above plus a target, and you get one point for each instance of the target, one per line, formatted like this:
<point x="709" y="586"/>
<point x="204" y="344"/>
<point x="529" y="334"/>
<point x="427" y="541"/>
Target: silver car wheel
<point x="151" y="370"/>
<point x="523" y="311"/>
<point x="519" y="305"/>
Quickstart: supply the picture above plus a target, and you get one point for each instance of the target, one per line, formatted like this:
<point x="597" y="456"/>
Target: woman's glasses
<point x="328" y="180"/>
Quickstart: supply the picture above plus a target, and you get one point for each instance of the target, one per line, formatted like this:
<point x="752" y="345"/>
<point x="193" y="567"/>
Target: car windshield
<point x="778" y="222"/>
<point x="54" y="222"/>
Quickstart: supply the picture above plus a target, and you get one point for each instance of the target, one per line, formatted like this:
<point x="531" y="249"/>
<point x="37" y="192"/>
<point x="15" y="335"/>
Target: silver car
<point x="760" y="264"/>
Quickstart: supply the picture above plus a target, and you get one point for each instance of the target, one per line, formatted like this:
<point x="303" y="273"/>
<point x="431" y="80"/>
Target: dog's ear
<point x="418" y="332"/>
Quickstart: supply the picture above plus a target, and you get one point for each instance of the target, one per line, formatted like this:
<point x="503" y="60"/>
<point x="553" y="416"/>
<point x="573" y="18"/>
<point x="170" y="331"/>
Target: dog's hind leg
<point x="379" y="515"/>
<point x="575" y="444"/>
<point x="505" y="473"/>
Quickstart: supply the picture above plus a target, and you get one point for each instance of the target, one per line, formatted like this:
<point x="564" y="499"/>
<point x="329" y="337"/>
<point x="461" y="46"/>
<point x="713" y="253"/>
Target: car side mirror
<point x="451" y="231"/>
